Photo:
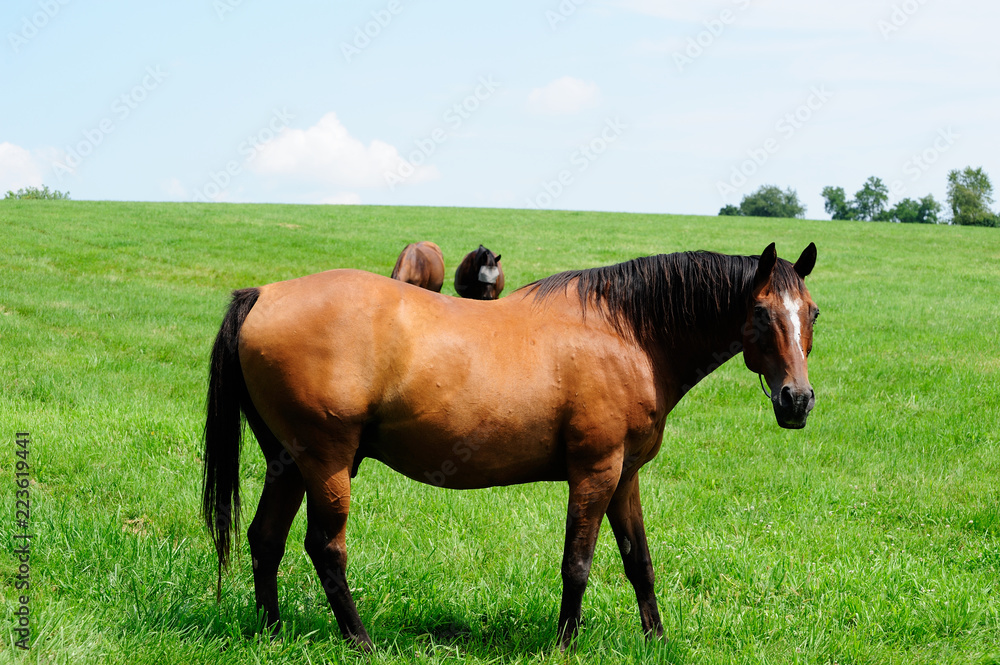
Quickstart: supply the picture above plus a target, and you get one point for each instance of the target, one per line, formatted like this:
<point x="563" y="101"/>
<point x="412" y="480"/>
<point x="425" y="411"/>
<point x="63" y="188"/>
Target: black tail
<point x="224" y="429"/>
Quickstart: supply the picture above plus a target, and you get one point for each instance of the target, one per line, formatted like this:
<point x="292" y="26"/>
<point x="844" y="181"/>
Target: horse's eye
<point x="762" y="315"/>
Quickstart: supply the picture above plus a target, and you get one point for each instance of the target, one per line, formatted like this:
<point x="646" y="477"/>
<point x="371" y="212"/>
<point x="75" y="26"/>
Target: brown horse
<point x="479" y="276"/>
<point x="569" y="379"/>
<point x="420" y="264"/>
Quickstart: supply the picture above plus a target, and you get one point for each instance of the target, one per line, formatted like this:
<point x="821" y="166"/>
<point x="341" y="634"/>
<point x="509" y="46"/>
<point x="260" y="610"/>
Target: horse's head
<point x="479" y="276"/>
<point x="486" y="267"/>
<point x="778" y="334"/>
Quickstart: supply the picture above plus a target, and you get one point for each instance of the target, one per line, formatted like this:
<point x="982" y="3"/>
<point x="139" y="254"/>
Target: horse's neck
<point x="696" y="355"/>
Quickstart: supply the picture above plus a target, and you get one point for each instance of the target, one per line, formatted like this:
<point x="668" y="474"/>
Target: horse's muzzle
<point x="792" y="405"/>
<point x="489" y="274"/>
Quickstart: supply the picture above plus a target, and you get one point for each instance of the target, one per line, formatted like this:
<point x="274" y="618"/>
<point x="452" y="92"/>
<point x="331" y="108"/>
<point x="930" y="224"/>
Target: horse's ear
<point x="764" y="267"/>
<point x="807" y="261"/>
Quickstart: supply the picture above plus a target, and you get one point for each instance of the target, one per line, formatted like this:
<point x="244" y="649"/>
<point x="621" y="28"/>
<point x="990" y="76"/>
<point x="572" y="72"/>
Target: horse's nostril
<point x="785" y="398"/>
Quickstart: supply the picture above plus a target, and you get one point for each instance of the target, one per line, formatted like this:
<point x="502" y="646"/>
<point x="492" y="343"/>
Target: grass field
<point x="872" y="536"/>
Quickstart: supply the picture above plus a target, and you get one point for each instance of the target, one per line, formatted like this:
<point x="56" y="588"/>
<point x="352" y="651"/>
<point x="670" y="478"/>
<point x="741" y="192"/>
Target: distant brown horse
<point x="568" y="379"/>
<point x="479" y="276"/>
<point x="420" y="264"/>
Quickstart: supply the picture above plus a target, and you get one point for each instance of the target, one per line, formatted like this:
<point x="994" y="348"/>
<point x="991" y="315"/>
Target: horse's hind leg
<point x="279" y="502"/>
<point x="328" y="500"/>
<point x="625" y="516"/>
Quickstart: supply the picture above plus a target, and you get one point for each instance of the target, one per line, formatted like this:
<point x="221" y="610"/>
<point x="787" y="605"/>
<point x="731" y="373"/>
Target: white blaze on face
<point x="489" y="274"/>
<point x="792" y="307"/>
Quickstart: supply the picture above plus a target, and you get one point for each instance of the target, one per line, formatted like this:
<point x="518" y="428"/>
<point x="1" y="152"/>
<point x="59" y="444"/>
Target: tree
<point x="770" y="201"/>
<point x="837" y="204"/>
<point x="729" y="211"/>
<point x="36" y="193"/>
<point x="924" y="211"/>
<point x="870" y="201"/>
<point x="970" y="194"/>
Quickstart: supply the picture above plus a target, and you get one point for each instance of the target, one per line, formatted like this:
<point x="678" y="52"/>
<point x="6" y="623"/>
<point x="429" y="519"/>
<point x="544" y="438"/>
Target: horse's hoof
<point x="363" y="643"/>
<point x="568" y="642"/>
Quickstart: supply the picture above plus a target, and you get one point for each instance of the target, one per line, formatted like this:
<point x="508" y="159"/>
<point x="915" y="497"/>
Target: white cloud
<point x="564" y="96"/>
<point x="327" y="153"/>
<point x="342" y="199"/>
<point x="18" y="168"/>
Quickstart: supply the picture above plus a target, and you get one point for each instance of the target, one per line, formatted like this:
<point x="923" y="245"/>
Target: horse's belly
<point x="486" y="456"/>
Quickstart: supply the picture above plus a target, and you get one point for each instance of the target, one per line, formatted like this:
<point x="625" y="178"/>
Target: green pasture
<point x="872" y="536"/>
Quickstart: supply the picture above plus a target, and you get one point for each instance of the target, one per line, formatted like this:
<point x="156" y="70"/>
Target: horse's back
<point x="344" y="339"/>
<point x="309" y="339"/>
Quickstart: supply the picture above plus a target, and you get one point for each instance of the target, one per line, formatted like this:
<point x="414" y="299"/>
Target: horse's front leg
<point x="589" y="494"/>
<point x="625" y="516"/>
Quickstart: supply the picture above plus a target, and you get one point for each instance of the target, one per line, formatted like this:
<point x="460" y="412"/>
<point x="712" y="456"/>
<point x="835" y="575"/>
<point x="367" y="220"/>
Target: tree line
<point x="35" y="193"/>
<point x="970" y="197"/>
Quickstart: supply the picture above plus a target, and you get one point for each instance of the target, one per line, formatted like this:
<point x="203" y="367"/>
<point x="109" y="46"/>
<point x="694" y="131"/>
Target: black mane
<point x="484" y="257"/>
<point x="653" y="297"/>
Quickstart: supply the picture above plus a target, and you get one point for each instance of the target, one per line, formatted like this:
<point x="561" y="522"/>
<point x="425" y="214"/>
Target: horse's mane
<point x="653" y="297"/>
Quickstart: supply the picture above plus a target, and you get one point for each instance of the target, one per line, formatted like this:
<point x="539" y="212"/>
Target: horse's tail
<point x="224" y="429"/>
<point x="399" y="263"/>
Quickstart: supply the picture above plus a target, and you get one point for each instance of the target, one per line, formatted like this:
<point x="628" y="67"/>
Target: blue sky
<point x="622" y="105"/>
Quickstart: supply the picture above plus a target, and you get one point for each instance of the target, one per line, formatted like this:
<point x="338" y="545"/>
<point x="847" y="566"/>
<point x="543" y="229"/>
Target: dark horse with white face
<point x="479" y="276"/>
<point x="569" y="379"/>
